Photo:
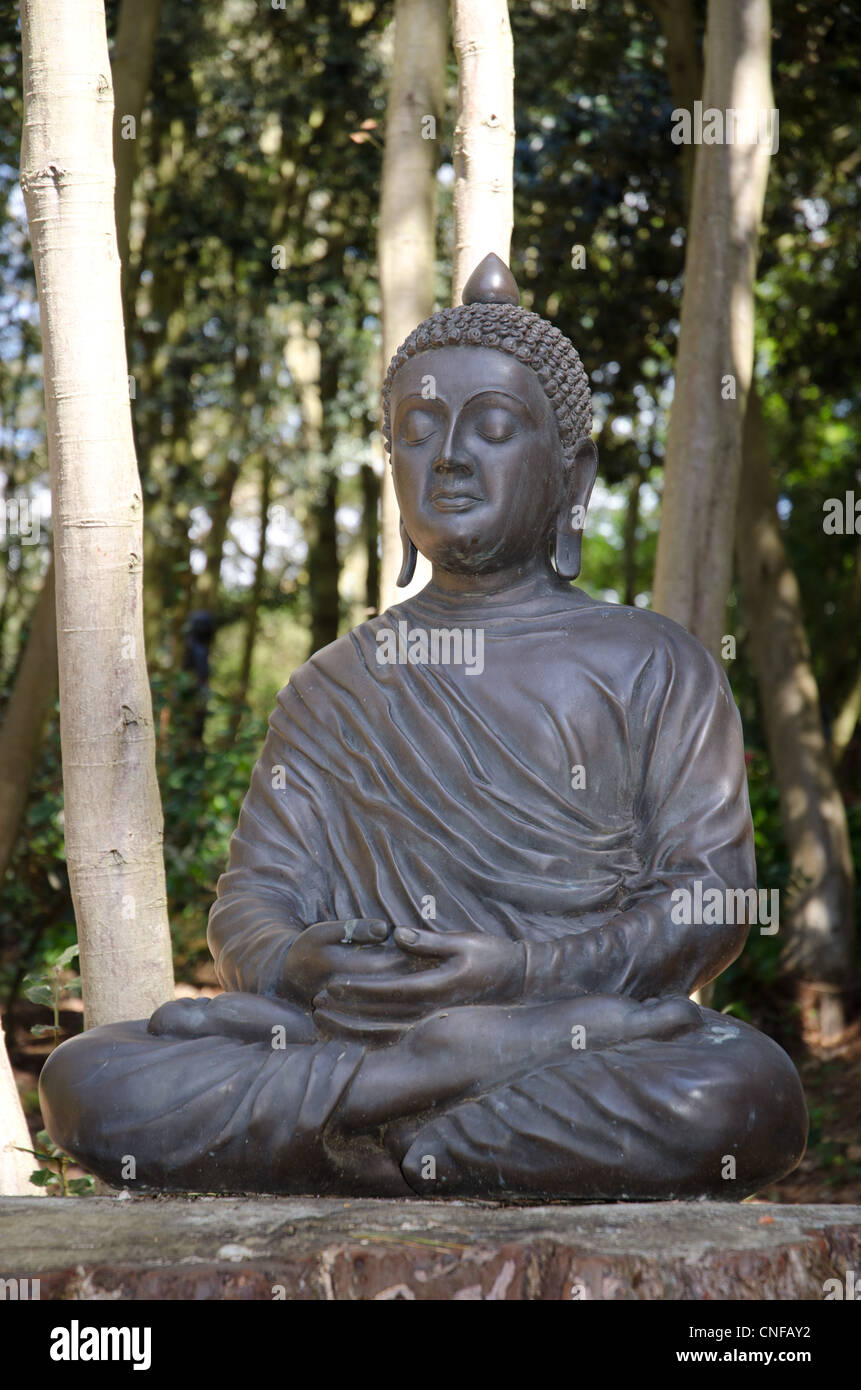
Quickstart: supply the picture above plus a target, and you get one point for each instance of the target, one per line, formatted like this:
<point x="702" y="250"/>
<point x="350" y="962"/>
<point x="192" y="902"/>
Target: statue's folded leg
<point x="210" y="1113"/>
<point x="716" y="1112"/>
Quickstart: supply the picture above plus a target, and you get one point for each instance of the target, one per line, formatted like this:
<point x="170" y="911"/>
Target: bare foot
<point x="465" y="1050"/>
<point x="491" y="1036"/>
<point x="606" y="1019"/>
<point x="245" y="1017"/>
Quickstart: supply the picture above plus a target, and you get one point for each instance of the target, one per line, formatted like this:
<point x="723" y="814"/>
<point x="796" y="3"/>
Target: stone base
<point x="297" y="1248"/>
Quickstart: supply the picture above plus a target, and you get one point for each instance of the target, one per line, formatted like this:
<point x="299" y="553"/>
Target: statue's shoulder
<point x="651" y="639"/>
<point x="338" y="662"/>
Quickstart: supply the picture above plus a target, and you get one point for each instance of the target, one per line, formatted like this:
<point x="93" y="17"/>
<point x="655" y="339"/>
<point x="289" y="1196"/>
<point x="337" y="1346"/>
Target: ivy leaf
<point x="38" y="991"/>
<point x="42" y="1177"/>
<point x="67" y="957"/>
<point x="82" y="1187"/>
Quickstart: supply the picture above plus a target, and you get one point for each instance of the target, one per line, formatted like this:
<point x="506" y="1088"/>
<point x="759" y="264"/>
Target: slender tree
<point x="15" y="1165"/>
<point x="112" y="808"/>
<point x="714" y="364"/>
<point x="134" y="48"/>
<point x="819" y="946"/>
<point x="252" y="624"/>
<point x="36" y="685"/>
<point x="819" y="949"/>
<point x="21" y="731"/>
<point x="483" y="136"/>
<point x="407" y="236"/>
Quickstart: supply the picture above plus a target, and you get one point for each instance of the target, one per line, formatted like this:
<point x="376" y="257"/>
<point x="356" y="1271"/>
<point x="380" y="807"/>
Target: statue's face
<point x="476" y="457"/>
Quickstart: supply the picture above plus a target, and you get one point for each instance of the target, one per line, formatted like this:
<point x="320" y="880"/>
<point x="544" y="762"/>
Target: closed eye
<point x="417" y="426"/>
<point x="496" y="425"/>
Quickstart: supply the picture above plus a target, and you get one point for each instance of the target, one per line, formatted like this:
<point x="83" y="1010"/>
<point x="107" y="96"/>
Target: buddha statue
<point x="448" y="933"/>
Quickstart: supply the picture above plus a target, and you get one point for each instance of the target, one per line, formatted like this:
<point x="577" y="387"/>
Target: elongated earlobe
<point x="568" y="541"/>
<point x="568" y="544"/>
<point x="408" y="564"/>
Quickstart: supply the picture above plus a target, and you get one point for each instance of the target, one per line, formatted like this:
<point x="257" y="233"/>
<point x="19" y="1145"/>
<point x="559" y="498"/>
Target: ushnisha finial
<point x="491" y="283"/>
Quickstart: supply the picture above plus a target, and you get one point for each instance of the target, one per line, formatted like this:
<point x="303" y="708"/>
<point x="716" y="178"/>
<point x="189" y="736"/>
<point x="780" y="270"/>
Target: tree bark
<point x="684" y="71"/>
<point x="632" y="521"/>
<point x="820" y="935"/>
<point x="483" y="136"/>
<point x="134" y="47"/>
<point x="323" y="564"/>
<point x="15" y="1167"/>
<point x="21" y="730"/>
<point x="112" y="806"/>
<point x="715" y="354"/>
<point x="371" y="536"/>
<point x="818" y="845"/>
<point x="407" y="235"/>
<point x="36" y="684"/>
<point x="846" y="721"/>
<point x="253" y="620"/>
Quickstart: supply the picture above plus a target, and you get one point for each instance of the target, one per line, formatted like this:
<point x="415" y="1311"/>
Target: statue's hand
<point x="458" y="968"/>
<point x="360" y="946"/>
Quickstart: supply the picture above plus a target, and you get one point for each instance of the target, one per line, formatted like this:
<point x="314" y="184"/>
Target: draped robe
<point x="582" y="764"/>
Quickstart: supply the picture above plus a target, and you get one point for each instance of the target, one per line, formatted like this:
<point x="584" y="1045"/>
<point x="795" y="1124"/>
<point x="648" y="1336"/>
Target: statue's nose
<point x="452" y="458"/>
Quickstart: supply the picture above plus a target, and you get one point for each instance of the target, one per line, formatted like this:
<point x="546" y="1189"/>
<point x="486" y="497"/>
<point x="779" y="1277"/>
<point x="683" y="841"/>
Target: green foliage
<point x="54" y="1175"/>
<point x="202" y="787"/>
<point x="48" y="987"/>
<point x="246" y="146"/>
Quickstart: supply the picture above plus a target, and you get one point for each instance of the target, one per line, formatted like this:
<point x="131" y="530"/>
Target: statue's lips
<point x="454" y="501"/>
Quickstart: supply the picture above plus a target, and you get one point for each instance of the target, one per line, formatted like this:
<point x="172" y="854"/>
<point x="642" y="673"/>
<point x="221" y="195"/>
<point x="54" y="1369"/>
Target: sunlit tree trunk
<point x="483" y="136"/>
<point x="134" y="48"/>
<point x="324" y="564"/>
<point x="715" y="354"/>
<point x="36" y="684"/>
<point x="371" y="535"/>
<point x="818" y="918"/>
<point x="817" y="915"/>
<point x="113" y="816"/>
<point x="407" y="235"/>
<point x="252" y="623"/>
<point x="632" y="521"/>
<point x="684" y="70"/>
<point x="21" y="730"/>
<point x="15" y="1167"/>
<point x="849" y="713"/>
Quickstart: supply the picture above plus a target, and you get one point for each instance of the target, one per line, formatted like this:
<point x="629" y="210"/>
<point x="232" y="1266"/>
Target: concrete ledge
<point x="298" y="1248"/>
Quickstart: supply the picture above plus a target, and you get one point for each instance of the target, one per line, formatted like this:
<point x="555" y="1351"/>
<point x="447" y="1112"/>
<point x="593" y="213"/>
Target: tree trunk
<point x="819" y="940"/>
<point x="36" y="685"/>
<point x="632" y="521"/>
<point x="371" y="536"/>
<point x="112" y="808"/>
<point x="323" y="564"/>
<point x="206" y="589"/>
<point x="134" y="46"/>
<point x="846" y="721"/>
<point x="788" y="695"/>
<point x="715" y="354"/>
<point x="253" y="620"/>
<point x="21" y="730"/>
<point x="407" y="234"/>
<point x="15" y="1167"/>
<point x="684" y="71"/>
<point x="483" y="136"/>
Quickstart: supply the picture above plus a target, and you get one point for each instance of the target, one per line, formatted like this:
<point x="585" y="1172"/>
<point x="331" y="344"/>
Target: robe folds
<point x="556" y="777"/>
